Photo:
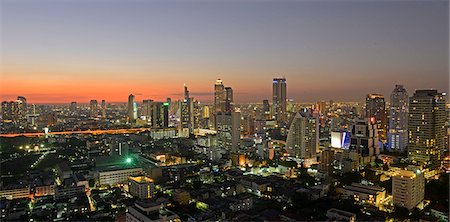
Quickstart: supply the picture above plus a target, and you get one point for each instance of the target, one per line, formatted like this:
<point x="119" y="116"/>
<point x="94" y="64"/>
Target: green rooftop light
<point x="128" y="160"/>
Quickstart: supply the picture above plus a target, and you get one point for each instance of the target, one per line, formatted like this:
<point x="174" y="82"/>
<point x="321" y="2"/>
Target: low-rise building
<point x="114" y="175"/>
<point x="150" y="211"/>
<point x="366" y="194"/>
<point x="15" y="192"/>
<point x="334" y="214"/>
<point x="141" y="187"/>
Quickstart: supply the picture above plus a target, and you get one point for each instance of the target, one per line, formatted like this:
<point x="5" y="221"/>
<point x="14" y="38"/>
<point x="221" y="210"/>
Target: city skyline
<point x="326" y="50"/>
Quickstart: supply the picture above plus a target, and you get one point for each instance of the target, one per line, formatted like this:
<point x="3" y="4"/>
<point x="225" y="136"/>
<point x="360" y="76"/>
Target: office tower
<point x="8" y="110"/>
<point x="248" y="125"/>
<point x="398" y="119"/>
<point x="266" y="109"/>
<point x="22" y="106"/>
<point x="229" y="131"/>
<point x="103" y="108"/>
<point x="223" y="99"/>
<point x="147" y="109"/>
<point x="426" y="127"/>
<point x="141" y="187"/>
<point x="186" y="92"/>
<point x="132" y="108"/>
<point x="364" y="140"/>
<point x="165" y="116"/>
<point x="189" y="112"/>
<point x="73" y="106"/>
<point x="279" y="100"/>
<point x="376" y="112"/>
<point x="195" y="114"/>
<point x="159" y="114"/>
<point x="303" y="136"/>
<point x="408" y="188"/>
<point x="228" y="100"/>
<point x="93" y="105"/>
<point x="327" y="156"/>
<point x="185" y="119"/>
<point x="219" y="96"/>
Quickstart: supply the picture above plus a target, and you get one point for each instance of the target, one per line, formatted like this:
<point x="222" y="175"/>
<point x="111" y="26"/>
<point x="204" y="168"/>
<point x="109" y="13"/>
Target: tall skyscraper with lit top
<point x="398" y="119"/>
<point x="426" y="127"/>
<point x="279" y="100"/>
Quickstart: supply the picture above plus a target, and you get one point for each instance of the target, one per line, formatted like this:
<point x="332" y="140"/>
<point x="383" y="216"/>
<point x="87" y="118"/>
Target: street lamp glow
<point x="128" y="160"/>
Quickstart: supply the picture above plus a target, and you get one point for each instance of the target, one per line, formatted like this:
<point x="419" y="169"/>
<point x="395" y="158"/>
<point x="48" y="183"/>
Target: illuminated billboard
<point x="340" y="140"/>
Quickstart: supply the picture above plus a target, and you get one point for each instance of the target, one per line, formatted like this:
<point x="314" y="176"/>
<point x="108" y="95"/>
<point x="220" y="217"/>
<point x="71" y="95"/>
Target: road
<point x="93" y="132"/>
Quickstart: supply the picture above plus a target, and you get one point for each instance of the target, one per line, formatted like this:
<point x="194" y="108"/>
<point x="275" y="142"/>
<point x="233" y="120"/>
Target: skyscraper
<point x="229" y="130"/>
<point x="376" y="112"/>
<point x="266" y="110"/>
<point x="398" y="119"/>
<point x="147" y="109"/>
<point x="103" y="108"/>
<point x="159" y="112"/>
<point x="228" y="104"/>
<point x="132" y="108"/>
<point x="426" y="127"/>
<point x="186" y="92"/>
<point x="93" y="105"/>
<point x="364" y="140"/>
<point x="187" y="113"/>
<point x="223" y="99"/>
<point x="219" y="96"/>
<point x="22" y="109"/>
<point x="279" y="100"/>
<point x="303" y="136"/>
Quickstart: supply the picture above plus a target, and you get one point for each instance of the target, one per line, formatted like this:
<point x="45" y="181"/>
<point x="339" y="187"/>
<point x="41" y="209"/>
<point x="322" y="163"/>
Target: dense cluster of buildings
<point x="229" y="161"/>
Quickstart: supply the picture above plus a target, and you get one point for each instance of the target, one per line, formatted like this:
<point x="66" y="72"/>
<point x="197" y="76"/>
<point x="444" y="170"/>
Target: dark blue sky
<point x="337" y="50"/>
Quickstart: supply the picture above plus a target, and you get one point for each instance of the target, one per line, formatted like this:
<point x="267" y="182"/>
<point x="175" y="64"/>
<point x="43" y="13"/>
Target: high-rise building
<point x="279" y="100"/>
<point x="364" y="140"/>
<point x="426" y="127"/>
<point x="186" y="92"/>
<point x="93" y="105"/>
<point x="8" y="110"/>
<point x="376" y="112"/>
<point x="228" y="106"/>
<point x="408" y="188"/>
<point x="398" y="119"/>
<point x="303" y="136"/>
<point x="326" y="158"/>
<point x="103" y="108"/>
<point x="22" y="107"/>
<point x="189" y="112"/>
<point x="159" y="114"/>
<point x="223" y="100"/>
<point x="266" y="109"/>
<point x="185" y="113"/>
<point x="219" y="96"/>
<point x="147" y="109"/>
<point x="132" y="108"/>
<point x="229" y="131"/>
